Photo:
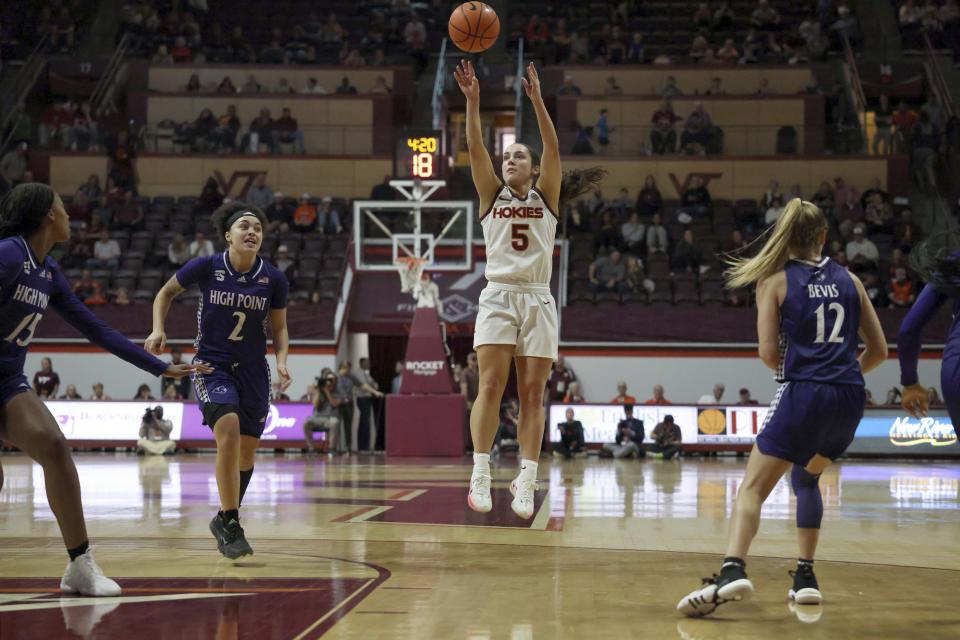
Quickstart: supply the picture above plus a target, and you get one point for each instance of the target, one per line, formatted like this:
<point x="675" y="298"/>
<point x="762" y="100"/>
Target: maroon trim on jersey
<point x="544" y="200"/>
<point x="492" y="202"/>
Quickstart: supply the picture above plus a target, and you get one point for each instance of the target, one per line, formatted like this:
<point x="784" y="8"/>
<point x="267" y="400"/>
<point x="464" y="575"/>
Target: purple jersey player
<point x="32" y="220"/>
<point x="240" y="293"/>
<point x="811" y="315"/>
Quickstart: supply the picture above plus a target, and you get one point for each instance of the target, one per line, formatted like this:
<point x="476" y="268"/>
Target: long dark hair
<point x="574" y="183"/>
<point x="23" y="209"/>
<point x="223" y="213"/>
<point x="937" y="260"/>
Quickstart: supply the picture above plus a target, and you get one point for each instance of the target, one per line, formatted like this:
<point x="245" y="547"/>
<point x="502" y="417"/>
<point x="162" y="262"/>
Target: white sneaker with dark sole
<point x="83" y="576"/>
<point x="479" y="495"/>
<point x="705" y="600"/>
<point x="523" y="491"/>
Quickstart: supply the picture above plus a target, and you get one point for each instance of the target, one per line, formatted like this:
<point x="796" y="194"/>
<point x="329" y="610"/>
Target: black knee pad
<point x="213" y="411"/>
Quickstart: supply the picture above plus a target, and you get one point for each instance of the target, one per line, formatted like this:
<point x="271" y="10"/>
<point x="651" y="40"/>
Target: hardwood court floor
<point x="367" y="548"/>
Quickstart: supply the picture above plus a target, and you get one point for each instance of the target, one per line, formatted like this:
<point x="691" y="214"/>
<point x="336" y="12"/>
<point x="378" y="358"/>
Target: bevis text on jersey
<point x="519" y="234"/>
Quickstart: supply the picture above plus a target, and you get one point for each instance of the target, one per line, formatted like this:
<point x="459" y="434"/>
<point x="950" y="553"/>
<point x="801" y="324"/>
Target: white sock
<point x="481" y="463"/>
<point x="528" y="470"/>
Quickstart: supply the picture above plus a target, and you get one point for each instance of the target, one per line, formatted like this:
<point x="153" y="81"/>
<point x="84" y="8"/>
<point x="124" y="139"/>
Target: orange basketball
<point x="474" y="27"/>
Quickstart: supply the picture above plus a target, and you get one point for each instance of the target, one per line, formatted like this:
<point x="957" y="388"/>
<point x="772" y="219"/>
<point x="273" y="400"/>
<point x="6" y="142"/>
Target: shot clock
<point x="418" y="154"/>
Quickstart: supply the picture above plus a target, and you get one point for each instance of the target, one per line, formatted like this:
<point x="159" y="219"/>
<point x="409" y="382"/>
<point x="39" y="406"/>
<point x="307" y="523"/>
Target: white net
<point x="410" y="270"/>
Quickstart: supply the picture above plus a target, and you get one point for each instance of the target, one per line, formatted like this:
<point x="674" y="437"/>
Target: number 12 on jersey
<point x="835" y="336"/>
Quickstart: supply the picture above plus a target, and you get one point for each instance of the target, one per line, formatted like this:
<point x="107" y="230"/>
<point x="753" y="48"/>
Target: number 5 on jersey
<point x="518" y="239"/>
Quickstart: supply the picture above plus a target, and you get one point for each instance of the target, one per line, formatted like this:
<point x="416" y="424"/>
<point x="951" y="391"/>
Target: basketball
<point x="474" y="27"/>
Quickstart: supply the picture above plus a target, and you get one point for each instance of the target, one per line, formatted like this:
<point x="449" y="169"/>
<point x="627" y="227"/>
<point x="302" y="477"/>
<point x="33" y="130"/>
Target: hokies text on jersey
<point x="517" y="212"/>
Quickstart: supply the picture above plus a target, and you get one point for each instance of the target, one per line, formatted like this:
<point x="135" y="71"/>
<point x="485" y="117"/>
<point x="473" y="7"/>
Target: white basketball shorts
<point x="524" y="315"/>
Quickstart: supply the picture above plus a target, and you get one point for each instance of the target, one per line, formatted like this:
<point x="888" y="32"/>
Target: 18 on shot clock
<point x="418" y="154"/>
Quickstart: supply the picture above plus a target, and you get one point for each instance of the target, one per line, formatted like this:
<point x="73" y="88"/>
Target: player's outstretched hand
<point x="914" y="400"/>
<point x="155" y="343"/>
<point x="531" y="84"/>
<point x="180" y="370"/>
<point x="285" y="378"/>
<point x="467" y="80"/>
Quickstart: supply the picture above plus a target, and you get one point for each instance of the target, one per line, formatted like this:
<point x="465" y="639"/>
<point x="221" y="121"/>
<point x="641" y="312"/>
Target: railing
<point x="855" y="86"/>
<point x="103" y="90"/>
<point x="935" y="79"/>
<point x="22" y="84"/>
<point x="436" y="101"/>
<point x="333" y="139"/>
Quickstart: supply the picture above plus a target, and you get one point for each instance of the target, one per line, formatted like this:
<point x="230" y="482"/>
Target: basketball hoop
<point x="410" y="270"/>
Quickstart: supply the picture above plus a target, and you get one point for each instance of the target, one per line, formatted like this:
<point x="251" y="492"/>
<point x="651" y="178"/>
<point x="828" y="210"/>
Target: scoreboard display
<point x="418" y="154"/>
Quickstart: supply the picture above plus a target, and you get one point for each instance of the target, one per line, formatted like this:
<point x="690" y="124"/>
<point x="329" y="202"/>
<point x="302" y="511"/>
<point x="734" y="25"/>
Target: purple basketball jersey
<point x="819" y="319"/>
<point x="233" y="311"/>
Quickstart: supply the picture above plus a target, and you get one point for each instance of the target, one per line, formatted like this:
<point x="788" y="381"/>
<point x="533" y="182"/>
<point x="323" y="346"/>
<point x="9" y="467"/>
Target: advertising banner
<point x="80" y="420"/>
<point x="881" y="430"/>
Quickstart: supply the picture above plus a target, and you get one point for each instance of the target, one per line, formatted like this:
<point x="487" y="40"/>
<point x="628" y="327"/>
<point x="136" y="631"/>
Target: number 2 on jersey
<point x="821" y="322"/>
<point x="33" y="320"/>
<point x="518" y="239"/>
<point x="235" y="334"/>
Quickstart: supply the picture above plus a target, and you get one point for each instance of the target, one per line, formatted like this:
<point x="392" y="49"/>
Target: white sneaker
<point x="479" y="495"/>
<point x="705" y="600"/>
<point x="83" y="576"/>
<point x="522" y="491"/>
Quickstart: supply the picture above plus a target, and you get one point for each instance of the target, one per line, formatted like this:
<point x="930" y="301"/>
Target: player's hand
<point x="531" y="84"/>
<point x="467" y="80"/>
<point x="180" y="370"/>
<point x="914" y="400"/>
<point x="156" y="342"/>
<point x="285" y="378"/>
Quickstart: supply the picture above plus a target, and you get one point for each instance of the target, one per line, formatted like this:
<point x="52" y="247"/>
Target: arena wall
<point x="649" y="80"/>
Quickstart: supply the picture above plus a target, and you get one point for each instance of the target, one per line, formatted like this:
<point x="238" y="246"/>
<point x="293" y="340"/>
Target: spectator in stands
<point x="907" y="232"/>
<point x="61" y="36"/>
<point x="561" y="39"/>
<point x="183" y="385"/>
<point x="170" y="394"/>
<point x="699" y="134"/>
<point x="901" y="290"/>
<point x="144" y="393"/>
<point x="883" y="119"/>
<point x="772" y="193"/>
<point x="636" y="277"/>
<point x="716" y="87"/>
<point x="284" y="263"/>
<point x="695" y="202"/>
<point x="536" y="35"/>
<point x="608" y="273"/>
<point x="283" y="86"/>
<point x="85" y="136"/>
<point x="735" y="244"/>
<point x="81" y="248"/>
<point x="753" y="46"/>
<point x="226" y="87"/>
<point x="903" y="120"/>
<point x="581" y="143"/>
<point x="658" y="396"/>
<point x="573" y="394"/>
<point x="240" y="46"/>
<point x="200" y="247"/>
<point x="774" y="209"/>
<point x="46" y="382"/>
<point x="874" y="289"/>
<point x="649" y="200"/>
<point x="598" y="45"/>
<point x="634" y="235"/>
<point x="20" y="128"/>
<point x="635" y="49"/>
<point x="274" y="53"/>
<point x="727" y="53"/>
<point x="200" y="130"/>
<point x="345" y="87"/>
<point x="398" y="377"/>
<point x="702" y="16"/>
<point x="579" y="47"/>
<point x="699" y="49"/>
<point x="154" y="437"/>
<point x="796" y="191"/>
<point x="326" y="414"/>
<point x="177" y="252"/>
<point x="764" y="16"/>
<point x="106" y="253"/>
<point x="162" y="56"/>
<point x="671" y="89"/>
<point x="878" y="213"/>
<point x="667" y="438"/>
<point x="715" y="397"/>
<point x="816" y="42"/>
<point x="559" y="380"/>
<point x="568" y="88"/>
<point x="129" y="214"/>
<point x="13" y="166"/>
<point x="305" y="215"/>
<point x="94" y="226"/>
<point x="849" y="212"/>
<point x="622" y="397"/>
<point x="663" y="137"/>
<point x="933" y="397"/>
<point x="686" y="255"/>
<point x="181" y="52"/>
<point x="629" y="438"/>
<point x="71" y="393"/>
<point x="328" y="218"/>
<point x="210" y="198"/>
<point x="910" y="14"/>
<point x="260" y="194"/>
<point x="609" y="234"/>
<point x="56" y="126"/>
<point x="603" y="131"/>
<point x="658" y="240"/>
<point x="824" y="199"/>
<point x="251" y="85"/>
<point x="844" y="28"/>
<point x="924" y="145"/>
<point x="260" y="135"/>
<point x="122" y="297"/>
<point x="612" y="88"/>
<point x="380" y="86"/>
<point x="571" y="438"/>
<point x="278" y="216"/>
<point x="616" y="47"/>
<point x="415" y="37"/>
<point x="861" y="251"/>
<point x="286" y="130"/>
<point x="98" y="392"/>
<point x="332" y="31"/>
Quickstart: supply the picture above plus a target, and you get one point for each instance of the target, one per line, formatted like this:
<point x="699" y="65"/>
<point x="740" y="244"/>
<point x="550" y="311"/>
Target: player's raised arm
<point x="484" y="177"/>
<point x="551" y="175"/>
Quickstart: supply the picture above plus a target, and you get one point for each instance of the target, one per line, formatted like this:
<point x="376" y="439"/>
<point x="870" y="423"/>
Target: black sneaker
<point x="805" y="588"/>
<point x="216" y="528"/>
<point x="234" y="544"/>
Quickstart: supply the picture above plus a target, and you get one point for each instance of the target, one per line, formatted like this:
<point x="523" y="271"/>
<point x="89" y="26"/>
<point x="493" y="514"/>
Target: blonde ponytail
<point x="798" y="228"/>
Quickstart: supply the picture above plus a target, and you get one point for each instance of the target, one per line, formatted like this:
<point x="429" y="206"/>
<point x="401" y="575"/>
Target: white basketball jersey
<point x="519" y="235"/>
